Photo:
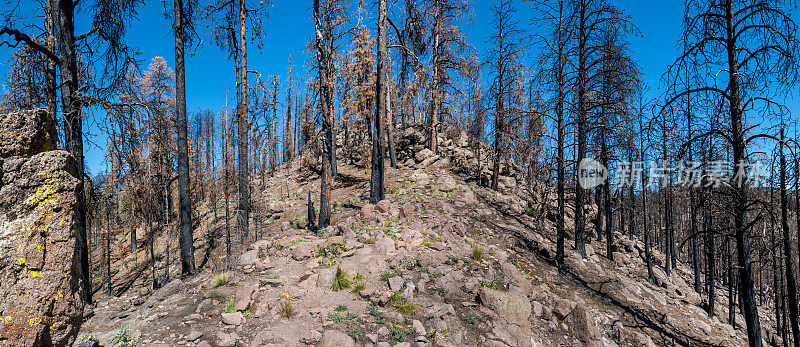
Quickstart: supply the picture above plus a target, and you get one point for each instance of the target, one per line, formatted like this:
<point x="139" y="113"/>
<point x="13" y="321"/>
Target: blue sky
<point x="209" y="73"/>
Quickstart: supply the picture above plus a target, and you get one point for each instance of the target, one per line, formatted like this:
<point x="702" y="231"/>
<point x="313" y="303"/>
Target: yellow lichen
<point x="58" y="296"/>
<point x="21" y="261"/>
<point x="8" y="320"/>
<point x="34" y="321"/>
<point x="42" y="195"/>
<point x="36" y="274"/>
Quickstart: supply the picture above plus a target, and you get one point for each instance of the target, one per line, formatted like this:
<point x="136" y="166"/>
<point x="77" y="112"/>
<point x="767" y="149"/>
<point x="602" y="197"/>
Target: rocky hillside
<point x="441" y="262"/>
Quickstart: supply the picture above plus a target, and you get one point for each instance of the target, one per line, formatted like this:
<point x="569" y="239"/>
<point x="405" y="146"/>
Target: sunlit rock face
<point x="39" y="301"/>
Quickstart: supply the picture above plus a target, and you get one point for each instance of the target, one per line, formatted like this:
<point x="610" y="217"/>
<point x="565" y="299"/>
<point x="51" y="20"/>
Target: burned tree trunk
<point x="376" y="191"/>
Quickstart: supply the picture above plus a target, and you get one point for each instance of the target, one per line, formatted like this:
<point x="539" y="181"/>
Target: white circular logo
<point x="591" y="173"/>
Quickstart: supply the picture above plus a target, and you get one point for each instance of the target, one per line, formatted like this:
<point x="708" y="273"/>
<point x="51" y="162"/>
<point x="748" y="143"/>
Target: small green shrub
<point x="494" y="284"/>
<point x="392" y="273"/>
<point x="341" y="308"/>
<point x="122" y="337"/>
<point x="401" y="334"/>
<point x="354" y="333"/>
<point x="451" y="260"/>
<point x="378" y="314"/>
<point x="533" y="212"/>
<point x="472" y="318"/>
<point x="336" y="318"/>
<point x="230" y="305"/>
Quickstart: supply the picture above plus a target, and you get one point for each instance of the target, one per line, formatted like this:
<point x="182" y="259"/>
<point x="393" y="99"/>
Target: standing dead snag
<point x="242" y="124"/>
<point x="323" y="41"/>
<point x="376" y="190"/>
<point x="273" y="126"/>
<point x="791" y="284"/>
<point x="554" y="20"/>
<point x="288" y="140"/>
<point x="184" y="194"/>
<point x="312" y="214"/>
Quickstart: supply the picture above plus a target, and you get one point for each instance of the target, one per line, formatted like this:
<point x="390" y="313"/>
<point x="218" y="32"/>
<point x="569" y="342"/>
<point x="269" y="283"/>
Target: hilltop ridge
<point x="441" y="261"/>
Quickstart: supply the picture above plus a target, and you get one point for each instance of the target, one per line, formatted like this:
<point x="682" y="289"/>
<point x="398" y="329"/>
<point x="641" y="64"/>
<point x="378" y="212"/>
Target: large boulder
<point x="423" y="155"/>
<point x="277" y="206"/>
<point x="582" y="326"/>
<point x="335" y="338"/>
<point x="26" y="133"/>
<point x="39" y="301"/>
<point x="513" y="307"/>
<point x="447" y="183"/>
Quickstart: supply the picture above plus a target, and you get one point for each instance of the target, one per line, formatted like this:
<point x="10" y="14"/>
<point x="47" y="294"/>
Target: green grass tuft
<point x="341" y="280"/>
<point x="401" y="304"/>
<point x="221" y="279"/>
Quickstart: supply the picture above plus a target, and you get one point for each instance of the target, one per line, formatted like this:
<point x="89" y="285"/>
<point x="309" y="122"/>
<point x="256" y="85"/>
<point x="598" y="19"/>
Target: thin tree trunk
<point x="580" y="232"/>
<point x="561" y="175"/>
<point x="710" y="257"/>
<point x="243" y="221"/>
<point x="791" y="284"/>
<point x="50" y="82"/>
<point x="376" y="191"/>
<point x="645" y="230"/>
<point x="64" y="25"/>
<point x="433" y="132"/>
<point x="390" y="124"/>
<point x="324" y="44"/>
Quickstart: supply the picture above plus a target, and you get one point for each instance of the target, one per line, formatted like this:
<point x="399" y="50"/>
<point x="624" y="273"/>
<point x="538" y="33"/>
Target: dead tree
<point x="505" y="68"/>
<point x="376" y="190"/>
<point x="324" y="24"/>
<point x="288" y="142"/>
<point x="589" y="18"/>
<point x="183" y="19"/>
<point x="554" y="21"/>
<point x="230" y="23"/>
<point x="791" y="283"/>
<point x="446" y="43"/>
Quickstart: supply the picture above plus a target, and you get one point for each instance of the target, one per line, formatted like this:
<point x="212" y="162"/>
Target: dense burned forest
<point x="398" y="179"/>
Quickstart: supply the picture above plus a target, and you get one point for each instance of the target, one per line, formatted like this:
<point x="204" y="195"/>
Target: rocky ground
<point x="440" y="262"/>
